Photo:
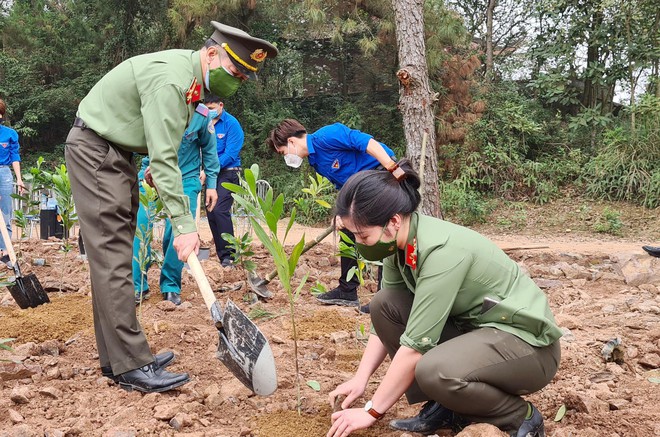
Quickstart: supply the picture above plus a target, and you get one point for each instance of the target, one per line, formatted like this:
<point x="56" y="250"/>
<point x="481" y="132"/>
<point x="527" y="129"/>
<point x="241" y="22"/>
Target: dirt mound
<point x="57" y="388"/>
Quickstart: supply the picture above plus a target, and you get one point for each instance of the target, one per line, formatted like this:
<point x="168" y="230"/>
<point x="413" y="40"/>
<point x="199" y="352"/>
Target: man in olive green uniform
<point x="143" y="106"/>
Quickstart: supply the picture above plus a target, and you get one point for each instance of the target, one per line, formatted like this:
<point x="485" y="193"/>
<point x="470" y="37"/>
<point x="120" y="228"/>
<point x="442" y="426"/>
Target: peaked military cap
<point x="246" y="52"/>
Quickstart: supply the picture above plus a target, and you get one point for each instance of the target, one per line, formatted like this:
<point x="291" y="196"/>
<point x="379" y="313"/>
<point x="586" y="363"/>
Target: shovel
<point x="27" y="290"/>
<point x="242" y="347"/>
<point x="259" y="285"/>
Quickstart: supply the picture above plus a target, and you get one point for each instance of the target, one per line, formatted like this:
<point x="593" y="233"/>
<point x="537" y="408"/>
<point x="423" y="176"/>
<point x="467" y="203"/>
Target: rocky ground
<point x="50" y="384"/>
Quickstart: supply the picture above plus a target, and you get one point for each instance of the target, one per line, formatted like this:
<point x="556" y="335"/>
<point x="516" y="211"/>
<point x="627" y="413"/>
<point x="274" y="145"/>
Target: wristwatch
<point x="368" y="407"/>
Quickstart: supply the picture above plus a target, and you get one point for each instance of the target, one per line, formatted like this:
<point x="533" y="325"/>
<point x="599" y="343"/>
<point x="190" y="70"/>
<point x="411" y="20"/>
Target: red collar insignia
<point x="411" y="254"/>
<point x="194" y="92"/>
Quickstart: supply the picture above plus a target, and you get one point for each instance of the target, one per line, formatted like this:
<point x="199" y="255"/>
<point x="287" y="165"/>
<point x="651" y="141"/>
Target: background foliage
<point x="573" y="98"/>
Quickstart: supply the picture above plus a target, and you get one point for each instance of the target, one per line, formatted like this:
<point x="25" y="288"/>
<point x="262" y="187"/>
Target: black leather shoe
<point x="150" y="379"/>
<point x="364" y="309"/>
<point x="653" y="251"/>
<point x="175" y="298"/>
<point x="227" y="263"/>
<point x="432" y="417"/>
<point x="160" y="360"/>
<point x="532" y="427"/>
<point x="337" y="296"/>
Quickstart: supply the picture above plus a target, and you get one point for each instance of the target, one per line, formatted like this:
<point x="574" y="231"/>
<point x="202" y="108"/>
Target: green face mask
<point x="378" y="251"/>
<point x="221" y="83"/>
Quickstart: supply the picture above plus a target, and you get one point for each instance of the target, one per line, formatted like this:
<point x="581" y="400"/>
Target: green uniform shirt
<point x="455" y="269"/>
<point x="141" y="106"/>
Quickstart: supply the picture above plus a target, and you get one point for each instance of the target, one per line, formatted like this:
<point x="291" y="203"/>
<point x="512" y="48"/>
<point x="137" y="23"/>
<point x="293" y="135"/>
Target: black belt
<point x="232" y="169"/>
<point x="78" y="122"/>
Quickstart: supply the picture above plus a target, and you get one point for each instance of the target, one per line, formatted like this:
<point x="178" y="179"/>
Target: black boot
<point x="161" y="361"/>
<point x="175" y="298"/>
<point x="432" y="417"/>
<point x="338" y="296"/>
<point x="651" y="250"/>
<point x="150" y="379"/>
<point x="532" y="427"/>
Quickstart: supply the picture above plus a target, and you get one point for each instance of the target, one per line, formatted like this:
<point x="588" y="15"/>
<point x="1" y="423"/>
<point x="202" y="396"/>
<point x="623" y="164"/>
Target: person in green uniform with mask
<point x="198" y="140"/>
<point x="466" y="330"/>
<point x="143" y="105"/>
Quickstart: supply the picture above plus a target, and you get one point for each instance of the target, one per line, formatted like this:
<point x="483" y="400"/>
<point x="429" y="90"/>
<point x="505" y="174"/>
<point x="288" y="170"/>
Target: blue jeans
<point x="170" y="274"/>
<point x="6" y="190"/>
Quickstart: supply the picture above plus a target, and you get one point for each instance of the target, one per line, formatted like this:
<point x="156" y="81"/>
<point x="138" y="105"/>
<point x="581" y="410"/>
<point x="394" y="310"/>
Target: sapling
<point x="61" y="186"/>
<point x="153" y="206"/>
<point x="35" y="181"/>
<point x="241" y="253"/>
<point x="269" y="211"/>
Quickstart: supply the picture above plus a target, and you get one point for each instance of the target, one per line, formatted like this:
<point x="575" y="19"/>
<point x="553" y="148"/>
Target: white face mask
<point x="292" y="160"/>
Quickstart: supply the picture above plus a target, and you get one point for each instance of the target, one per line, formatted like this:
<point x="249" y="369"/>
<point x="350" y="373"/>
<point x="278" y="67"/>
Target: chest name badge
<point x="411" y="254"/>
<point x="335" y="164"/>
<point x="194" y="92"/>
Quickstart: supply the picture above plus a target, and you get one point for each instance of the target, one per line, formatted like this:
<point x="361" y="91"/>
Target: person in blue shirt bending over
<point x="9" y="158"/>
<point x="337" y="153"/>
<point x="229" y="136"/>
<point x="198" y="139"/>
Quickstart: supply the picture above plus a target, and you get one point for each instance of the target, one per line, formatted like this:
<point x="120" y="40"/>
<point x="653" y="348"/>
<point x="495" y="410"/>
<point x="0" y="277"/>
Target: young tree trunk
<point x="489" y="38"/>
<point x="416" y="99"/>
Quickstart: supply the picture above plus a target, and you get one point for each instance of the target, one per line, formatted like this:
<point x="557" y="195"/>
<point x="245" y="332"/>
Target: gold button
<point x="503" y="317"/>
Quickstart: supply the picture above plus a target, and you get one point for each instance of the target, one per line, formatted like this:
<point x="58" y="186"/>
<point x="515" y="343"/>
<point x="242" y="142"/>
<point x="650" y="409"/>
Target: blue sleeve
<point x="340" y="137"/>
<point x="210" y="155"/>
<point x="14" y="148"/>
<point x="234" y="143"/>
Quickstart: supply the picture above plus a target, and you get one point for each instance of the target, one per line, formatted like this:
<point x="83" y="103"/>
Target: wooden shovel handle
<point x="199" y="212"/>
<point x="7" y="238"/>
<point x="202" y="281"/>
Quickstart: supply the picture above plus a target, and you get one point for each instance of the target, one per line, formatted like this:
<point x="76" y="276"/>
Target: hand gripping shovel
<point x="243" y="348"/>
<point x="259" y="285"/>
<point x="27" y="290"/>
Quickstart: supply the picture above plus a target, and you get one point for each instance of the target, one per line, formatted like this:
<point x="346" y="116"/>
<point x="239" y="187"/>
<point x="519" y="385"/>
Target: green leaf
<point x="300" y="287"/>
<point x="323" y="203"/>
<point x="251" y="182"/>
<point x="290" y="224"/>
<point x="278" y="206"/>
<point x="235" y="189"/>
<point x="271" y="220"/>
<point x="295" y="255"/>
<point x="560" y="413"/>
<point x="314" y="385"/>
<point x="351" y="273"/>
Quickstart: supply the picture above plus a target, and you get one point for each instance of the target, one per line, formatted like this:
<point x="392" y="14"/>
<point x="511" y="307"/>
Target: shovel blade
<point x="28" y="292"/>
<point x="244" y="349"/>
<point x="259" y="286"/>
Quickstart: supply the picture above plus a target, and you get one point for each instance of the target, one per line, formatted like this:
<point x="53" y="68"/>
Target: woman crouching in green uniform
<point x="466" y="330"/>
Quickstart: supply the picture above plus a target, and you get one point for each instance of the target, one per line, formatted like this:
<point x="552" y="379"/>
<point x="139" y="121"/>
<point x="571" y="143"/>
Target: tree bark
<point x="490" y="9"/>
<point x="416" y="99"/>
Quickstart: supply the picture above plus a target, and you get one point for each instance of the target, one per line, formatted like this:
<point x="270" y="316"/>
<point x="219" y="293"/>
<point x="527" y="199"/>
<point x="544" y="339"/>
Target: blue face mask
<point x="213" y="114"/>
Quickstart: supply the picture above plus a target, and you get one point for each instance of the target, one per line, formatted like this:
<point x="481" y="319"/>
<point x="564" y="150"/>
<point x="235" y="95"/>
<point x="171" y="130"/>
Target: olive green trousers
<point x="479" y="374"/>
<point x="104" y="184"/>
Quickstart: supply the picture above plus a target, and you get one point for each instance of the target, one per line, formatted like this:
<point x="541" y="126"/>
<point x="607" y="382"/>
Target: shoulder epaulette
<point x="202" y="109"/>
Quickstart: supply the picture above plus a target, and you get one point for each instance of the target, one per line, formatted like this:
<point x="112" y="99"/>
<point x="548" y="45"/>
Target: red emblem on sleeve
<point x="194" y="92"/>
<point x="411" y="254"/>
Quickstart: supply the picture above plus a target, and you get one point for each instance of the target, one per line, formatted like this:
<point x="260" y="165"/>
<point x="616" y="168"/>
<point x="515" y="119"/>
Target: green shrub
<point x="609" y="222"/>
<point x="627" y="166"/>
<point x="462" y="204"/>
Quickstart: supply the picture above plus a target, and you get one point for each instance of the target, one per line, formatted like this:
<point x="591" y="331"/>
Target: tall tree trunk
<point x="489" y="38"/>
<point x="416" y="99"/>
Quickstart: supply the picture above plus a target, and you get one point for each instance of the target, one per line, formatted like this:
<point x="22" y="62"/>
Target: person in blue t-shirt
<point x="9" y="158"/>
<point x="229" y="136"/>
<point x="337" y="153"/>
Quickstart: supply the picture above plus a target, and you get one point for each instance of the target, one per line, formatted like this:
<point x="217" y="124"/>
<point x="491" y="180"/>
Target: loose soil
<point x="57" y="389"/>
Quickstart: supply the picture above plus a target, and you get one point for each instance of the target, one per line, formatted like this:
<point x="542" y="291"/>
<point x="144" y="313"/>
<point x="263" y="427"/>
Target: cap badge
<point x="259" y="55"/>
<point x="237" y="58"/>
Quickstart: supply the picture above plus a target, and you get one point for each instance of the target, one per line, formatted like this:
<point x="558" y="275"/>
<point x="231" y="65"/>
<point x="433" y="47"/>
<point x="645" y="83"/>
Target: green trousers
<point x="479" y="374"/>
<point x="104" y="184"/>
